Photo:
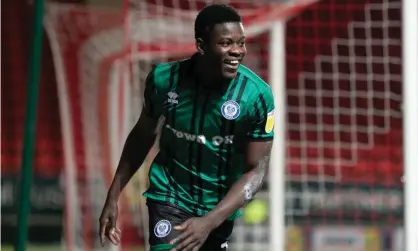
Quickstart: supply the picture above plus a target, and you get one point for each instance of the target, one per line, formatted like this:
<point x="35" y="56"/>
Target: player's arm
<point x="136" y="148"/>
<point x="258" y="156"/>
<point x="140" y="139"/>
<point x="260" y="140"/>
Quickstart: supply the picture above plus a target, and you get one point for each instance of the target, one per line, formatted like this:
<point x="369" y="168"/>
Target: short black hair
<point x="211" y="15"/>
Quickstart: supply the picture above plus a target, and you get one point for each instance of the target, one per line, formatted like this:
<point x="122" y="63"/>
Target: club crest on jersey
<point x="230" y="110"/>
<point x="162" y="228"/>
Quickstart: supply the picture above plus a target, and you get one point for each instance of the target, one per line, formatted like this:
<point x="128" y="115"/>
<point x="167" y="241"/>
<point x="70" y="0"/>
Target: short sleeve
<point x="262" y="118"/>
<point x="151" y="106"/>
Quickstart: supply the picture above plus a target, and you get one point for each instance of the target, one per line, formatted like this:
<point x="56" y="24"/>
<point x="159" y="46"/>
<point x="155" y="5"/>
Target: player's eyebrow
<point x="231" y="37"/>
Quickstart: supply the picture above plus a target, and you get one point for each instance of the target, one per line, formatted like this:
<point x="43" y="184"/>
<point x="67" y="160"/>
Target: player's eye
<point x="225" y="43"/>
<point x="242" y="43"/>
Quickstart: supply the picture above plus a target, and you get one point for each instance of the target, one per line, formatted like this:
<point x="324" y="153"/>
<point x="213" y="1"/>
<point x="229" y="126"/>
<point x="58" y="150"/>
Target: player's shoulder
<point x="256" y="86"/>
<point x="163" y="72"/>
<point x="168" y="68"/>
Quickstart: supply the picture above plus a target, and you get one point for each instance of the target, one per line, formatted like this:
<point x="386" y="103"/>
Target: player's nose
<point x="236" y="51"/>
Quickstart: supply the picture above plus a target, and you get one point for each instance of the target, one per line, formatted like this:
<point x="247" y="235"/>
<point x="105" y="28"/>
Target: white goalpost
<point x="410" y="129"/>
<point x="277" y="169"/>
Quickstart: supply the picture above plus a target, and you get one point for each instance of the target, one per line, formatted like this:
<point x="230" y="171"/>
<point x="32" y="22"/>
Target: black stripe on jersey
<point x="171" y="120"/>
<point x="223" y="131"/>
<point x="192" y="178"/>
<point x="234" y="85"/>
<point x="149" y="92"/>
<point x="258" y="136"/>
<point x="257" y="112"/>
<point x="228" y="168"/>
<point x="241" y="90"/>
<point x="200" y="153"/>
<point x="264" y="109"/>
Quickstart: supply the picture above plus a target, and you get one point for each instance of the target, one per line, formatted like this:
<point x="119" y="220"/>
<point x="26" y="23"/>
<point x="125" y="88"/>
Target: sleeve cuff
<point x="260" y="139"/>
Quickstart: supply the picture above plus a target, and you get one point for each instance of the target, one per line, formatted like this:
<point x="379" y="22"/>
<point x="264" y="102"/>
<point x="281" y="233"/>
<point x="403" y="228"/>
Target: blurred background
<point x="343" y="97"/>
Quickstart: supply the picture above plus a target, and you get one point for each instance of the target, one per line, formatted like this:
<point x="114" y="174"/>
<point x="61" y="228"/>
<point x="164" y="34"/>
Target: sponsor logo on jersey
<point x="162" y="228"/>
<point x="270" y="122"/>
<point x="172" y="98"/>
<point x="230" y="110"/>
<point x="216" y="140"/>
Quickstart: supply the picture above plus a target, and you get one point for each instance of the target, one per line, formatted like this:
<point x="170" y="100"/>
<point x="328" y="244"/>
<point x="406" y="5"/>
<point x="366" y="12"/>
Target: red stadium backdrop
<point x="47" y="193"/>
<point x="372" y="177"/>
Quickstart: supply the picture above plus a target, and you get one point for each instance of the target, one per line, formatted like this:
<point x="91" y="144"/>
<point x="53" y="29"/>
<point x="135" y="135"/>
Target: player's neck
<point x="207" y="77"/>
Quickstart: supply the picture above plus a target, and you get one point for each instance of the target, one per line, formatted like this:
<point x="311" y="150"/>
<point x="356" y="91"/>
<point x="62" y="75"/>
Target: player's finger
<point x="197" y="247"/>
<point x="114" y="237"/>
<point x="182" y="245"/>
<point x="102" y="232"/>
<point x="118" y="236"/>
<point x="182" y="226"/>
<point x="181" y="237"/>
<point x="118" y="231"/>
<point x="191" y="246"/>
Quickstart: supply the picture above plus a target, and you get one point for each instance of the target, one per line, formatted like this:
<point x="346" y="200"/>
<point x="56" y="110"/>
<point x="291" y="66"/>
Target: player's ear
<point x="200" y="46"/>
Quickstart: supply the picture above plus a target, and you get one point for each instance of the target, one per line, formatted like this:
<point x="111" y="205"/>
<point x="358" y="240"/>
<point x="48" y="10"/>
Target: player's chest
<point x="209" y="112"/>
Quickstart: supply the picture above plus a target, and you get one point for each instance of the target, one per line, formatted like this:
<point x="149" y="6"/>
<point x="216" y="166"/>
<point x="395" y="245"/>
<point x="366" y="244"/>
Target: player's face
<point x="227" y="48"/>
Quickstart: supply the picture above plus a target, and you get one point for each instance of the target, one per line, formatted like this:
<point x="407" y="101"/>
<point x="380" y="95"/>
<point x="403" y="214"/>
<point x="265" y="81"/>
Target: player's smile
<point x="232" y="64"/>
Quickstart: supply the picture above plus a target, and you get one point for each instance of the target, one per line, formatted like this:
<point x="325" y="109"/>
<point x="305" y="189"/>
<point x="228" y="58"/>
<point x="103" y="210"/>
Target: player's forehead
<point x="228" y="30"/>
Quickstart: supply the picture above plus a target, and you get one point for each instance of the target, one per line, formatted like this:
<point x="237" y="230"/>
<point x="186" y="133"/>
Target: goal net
<point x="344" y="125"/>
<point x="343" y="95"/>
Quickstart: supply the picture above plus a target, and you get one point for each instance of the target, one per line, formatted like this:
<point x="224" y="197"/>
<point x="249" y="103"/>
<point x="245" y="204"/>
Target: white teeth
<point x="232" y="61"/>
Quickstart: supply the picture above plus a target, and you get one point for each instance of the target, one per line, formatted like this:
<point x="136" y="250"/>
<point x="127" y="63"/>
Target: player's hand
<point x="195" y="233"/>
<point x="108" y="224"/>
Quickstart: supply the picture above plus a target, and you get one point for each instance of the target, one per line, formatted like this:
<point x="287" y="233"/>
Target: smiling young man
<point x="215" y="121"/>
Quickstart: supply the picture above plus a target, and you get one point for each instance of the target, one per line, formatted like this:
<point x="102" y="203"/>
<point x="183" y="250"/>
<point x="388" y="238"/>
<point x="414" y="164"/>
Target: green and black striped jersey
<point x="204" y="138"/>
